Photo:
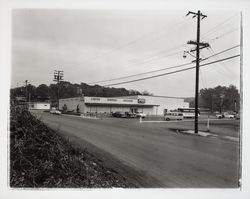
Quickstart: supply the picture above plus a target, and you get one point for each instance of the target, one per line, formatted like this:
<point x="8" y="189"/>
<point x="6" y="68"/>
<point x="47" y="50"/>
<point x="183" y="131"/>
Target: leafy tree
<point x="42" y="91"/>
<point x="145" y="92"/>
<point x="220" y="98"/>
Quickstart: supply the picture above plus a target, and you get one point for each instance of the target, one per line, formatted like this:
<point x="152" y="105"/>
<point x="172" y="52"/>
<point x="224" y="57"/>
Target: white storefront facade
<point x="39" y="105"/>
<point x="150" y="105"/>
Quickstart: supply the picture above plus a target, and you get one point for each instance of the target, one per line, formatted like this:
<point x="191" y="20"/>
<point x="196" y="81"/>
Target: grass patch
<point x="40" y="157"/>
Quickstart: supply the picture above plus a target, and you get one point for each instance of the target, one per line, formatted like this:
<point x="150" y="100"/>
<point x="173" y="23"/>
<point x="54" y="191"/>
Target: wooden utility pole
<point x="26" y="89"/>
<point x="58" y="76"/>
<point x="26" y="94"/>
<point x="199" y="46"/>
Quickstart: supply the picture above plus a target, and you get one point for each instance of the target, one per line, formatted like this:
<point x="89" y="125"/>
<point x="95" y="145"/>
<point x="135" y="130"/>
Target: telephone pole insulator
<point x="199" y="46"/>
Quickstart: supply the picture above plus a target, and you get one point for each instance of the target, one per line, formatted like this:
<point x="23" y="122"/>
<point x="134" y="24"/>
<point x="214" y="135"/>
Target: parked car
<point x="54" y="111"/>
<point x="228" y="115"/>
<point x="219" y="116"/>
<point x="130" y="114"/>
<point x="140" y="114"/>
<point x="173" y="116"/>
<point x="119" y="114"/>
<point x="225" y="115"/>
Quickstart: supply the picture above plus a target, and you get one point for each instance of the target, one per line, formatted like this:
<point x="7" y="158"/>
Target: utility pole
<point x="58" y="76"/>
<point x="199" y="46"/>
<point x="29" y="102"/>
<point x="26" y="91"/>
<point x="235" y="106"/>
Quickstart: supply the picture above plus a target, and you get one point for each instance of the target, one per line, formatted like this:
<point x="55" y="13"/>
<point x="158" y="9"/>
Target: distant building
<point x="151" y="105"/>
<point x="39" y="105"/>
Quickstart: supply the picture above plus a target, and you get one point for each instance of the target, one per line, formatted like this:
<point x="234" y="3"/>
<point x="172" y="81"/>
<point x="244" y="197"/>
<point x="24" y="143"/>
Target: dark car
<point x="130" y="114"/>
<point x="119" y="114"/>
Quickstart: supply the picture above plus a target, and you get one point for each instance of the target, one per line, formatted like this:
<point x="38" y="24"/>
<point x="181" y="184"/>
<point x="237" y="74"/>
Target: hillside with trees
<point x="220" y="98"/>
<point x="67" y="90"/>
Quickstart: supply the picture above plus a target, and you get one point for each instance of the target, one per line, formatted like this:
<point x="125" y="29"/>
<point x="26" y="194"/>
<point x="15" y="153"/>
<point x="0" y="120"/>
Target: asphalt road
<point x="163" y="157"/>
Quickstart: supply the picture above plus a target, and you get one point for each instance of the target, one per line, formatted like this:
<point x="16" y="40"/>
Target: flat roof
<point x="153" y="96"/>
<point x="40" y="102"/>
<point x="120" y="104"/>
<point x="126" y="96"/>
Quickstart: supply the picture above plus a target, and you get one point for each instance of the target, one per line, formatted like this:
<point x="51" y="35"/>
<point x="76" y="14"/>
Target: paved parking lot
<point x="158" y="156"/>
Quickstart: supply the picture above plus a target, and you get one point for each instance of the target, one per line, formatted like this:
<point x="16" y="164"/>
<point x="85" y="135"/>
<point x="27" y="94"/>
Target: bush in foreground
<point x="39" y="157"/>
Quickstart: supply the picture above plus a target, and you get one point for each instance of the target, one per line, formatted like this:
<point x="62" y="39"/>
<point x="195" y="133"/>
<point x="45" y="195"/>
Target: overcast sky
<point x="96" y="45"/>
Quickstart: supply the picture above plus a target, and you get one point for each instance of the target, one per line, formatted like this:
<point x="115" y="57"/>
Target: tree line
<point x="66" y="89"/>
<point x="219" y="98"/>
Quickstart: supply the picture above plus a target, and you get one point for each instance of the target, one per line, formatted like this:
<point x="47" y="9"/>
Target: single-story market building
<point x="39" y="105"/>
<point x="151" y="105"/>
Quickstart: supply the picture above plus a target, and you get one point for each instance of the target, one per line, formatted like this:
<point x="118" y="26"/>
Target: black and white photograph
<point x="126" y="97"/>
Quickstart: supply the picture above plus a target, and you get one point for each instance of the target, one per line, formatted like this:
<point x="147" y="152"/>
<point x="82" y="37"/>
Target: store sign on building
<point x="141" y="101"/>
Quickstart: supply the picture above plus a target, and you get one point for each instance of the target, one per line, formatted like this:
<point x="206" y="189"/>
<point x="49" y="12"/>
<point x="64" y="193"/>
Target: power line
<point x="156" y="57"/>
<point x="142" y="37"/>
<point x="125" y="77"/>
<point x="137" y="39"/>
<point x="215" y="54"/>
<point x="218" y="25"/>
<point x="224" y="34"/>
<point x="173" y="72"/>
<point x="227" y="72"/>
<point x="145" y="36"/>
<point x="152" y="58"/>
<point x="215" y="38"/>
<point x="162" y="53"/>
<point x="158" y="70"/>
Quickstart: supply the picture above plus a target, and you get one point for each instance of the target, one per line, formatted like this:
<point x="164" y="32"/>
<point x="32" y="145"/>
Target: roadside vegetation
<point x="218" y="99"/>
<point x="40" y="157"/>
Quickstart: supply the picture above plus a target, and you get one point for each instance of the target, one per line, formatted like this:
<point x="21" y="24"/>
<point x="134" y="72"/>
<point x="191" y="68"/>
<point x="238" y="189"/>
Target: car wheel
<point x="167" y="119"/>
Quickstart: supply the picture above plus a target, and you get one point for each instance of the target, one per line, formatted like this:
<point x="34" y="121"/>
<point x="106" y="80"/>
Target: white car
<point x="219" y="116"/>
<point x="228" y="115"/>
<point x="57" y="112"/>
<point x="140" y="114"/>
